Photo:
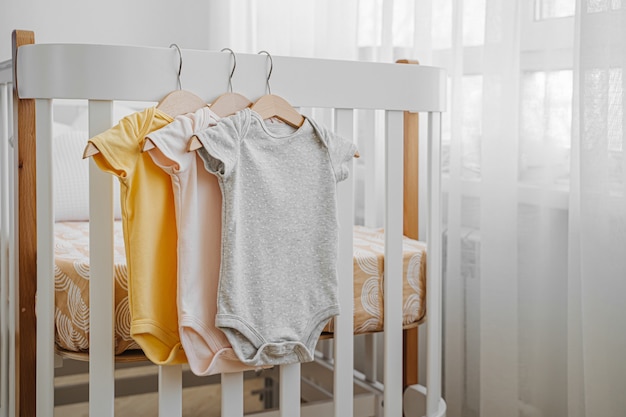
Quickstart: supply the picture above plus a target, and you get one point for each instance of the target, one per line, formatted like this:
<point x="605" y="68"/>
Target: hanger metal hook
<point x="232" y="71"/>
<point x="269" y="74"/>
<point x="180" y="64"/>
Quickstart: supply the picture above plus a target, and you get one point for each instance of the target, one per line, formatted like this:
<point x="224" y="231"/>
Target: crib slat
<point x="290" y="390"/>
<point x="4" y="244"/>
<point x="232" y="394"/>
<point x="101" y="281"/>
<point x="433" y="260"/>
<point x="45" y="260"/>
<point x="171" y="391"/>
<point x="344" y="323"/>
<point x="393" y="263"/>
<point x="372" y="172"/>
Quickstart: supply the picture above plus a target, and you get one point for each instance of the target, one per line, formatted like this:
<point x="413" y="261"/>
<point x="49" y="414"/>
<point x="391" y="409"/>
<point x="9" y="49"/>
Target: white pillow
<point x="71" y="177"/>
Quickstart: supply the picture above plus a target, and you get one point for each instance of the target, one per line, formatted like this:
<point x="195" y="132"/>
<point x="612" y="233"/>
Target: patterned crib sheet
<point x="71" y="282"/>
<point x="369" y="268"/>
<point x="72" y="285"/>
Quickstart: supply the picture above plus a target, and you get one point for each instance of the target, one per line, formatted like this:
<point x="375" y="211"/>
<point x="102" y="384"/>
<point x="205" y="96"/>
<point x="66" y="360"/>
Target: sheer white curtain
<point x="597" y="224"/>
<point x="298" y="28"/>
<point x="535" y="183"/>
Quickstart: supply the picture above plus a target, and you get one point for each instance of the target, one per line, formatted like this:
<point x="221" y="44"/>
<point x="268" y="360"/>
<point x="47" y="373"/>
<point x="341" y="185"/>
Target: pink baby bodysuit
<point x="198" y="203"/>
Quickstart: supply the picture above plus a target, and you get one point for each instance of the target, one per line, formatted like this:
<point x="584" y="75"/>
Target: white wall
<point x="128" y="22"/>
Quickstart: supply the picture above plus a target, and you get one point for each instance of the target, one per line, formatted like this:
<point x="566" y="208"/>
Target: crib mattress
<point x="72" y="285"/>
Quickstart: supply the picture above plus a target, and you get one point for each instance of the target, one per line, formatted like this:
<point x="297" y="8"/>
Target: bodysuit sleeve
<point x="341" y="152"/>
<point x="220" y="151"/>
<point x="118" y="145"/>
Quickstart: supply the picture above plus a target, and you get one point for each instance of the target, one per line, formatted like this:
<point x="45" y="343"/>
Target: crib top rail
<point x="106" y="72"/>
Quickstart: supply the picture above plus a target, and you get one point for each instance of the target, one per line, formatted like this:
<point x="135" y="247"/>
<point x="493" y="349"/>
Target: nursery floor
<point x="137" y="384"/>
<point x="197" y="401"/>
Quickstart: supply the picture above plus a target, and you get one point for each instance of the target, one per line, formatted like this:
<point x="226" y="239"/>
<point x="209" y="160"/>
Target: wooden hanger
<point x="173" y="104"/>
<point x="230" y="103"/>
<point x="180" y="102"/>
<point x="271" y="105"/>
<point x="177" y="102"/>
<point x="90" y="150"/>
<point x="268" y="106"/>
<point x="225" y="105"/>
<point x="194" y="144"/>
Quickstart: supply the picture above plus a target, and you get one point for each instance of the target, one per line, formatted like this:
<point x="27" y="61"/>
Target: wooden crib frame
<point x="102" y="74"/>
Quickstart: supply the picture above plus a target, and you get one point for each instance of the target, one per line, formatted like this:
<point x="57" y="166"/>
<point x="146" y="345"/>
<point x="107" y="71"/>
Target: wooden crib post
<point x="410" y="228"/>
<point x="25" y="337"/>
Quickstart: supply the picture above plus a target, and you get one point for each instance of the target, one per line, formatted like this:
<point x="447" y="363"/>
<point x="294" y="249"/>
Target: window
<point x="546" y="38"/>
<point x="546" y="84"/>
<point x="550" y="9"/>
<point x="545" y="126"/>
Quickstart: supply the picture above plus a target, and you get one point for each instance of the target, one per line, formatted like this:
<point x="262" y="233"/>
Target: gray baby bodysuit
<point x="278" y="278"/>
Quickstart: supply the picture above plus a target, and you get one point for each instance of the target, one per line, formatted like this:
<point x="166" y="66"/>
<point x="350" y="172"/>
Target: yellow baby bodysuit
<point x="149" y="223"/>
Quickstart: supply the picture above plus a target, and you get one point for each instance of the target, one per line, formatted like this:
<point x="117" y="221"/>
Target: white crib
<point x="104" y="74"/>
